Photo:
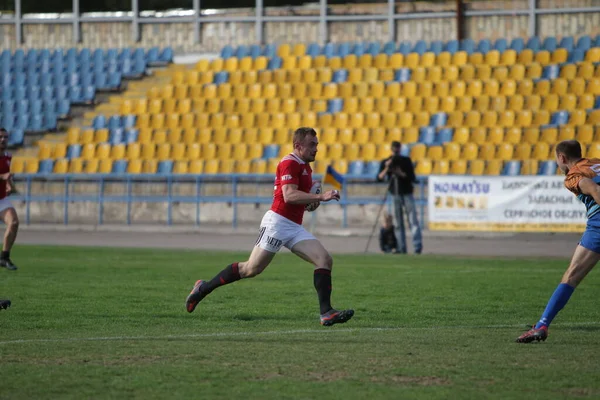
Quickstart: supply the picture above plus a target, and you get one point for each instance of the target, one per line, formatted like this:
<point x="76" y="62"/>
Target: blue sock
<point x="559" y="299"/>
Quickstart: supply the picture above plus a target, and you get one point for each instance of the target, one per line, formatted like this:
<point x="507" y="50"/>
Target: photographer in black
<point x="399" y="171"/>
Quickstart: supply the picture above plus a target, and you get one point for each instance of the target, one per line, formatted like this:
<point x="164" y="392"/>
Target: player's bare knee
<point x="325" y="261"/>
<point x="249" y="270"/>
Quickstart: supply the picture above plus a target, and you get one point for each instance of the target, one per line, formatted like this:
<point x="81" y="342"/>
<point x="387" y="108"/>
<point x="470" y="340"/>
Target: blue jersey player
<point x="583" y="179"/>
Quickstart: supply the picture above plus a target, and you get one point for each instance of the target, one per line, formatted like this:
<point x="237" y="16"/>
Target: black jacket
<point x="404" y="184"/>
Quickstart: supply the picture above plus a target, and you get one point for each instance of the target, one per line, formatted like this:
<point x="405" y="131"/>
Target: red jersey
<point x="5" y="160"/>
<point x="291" y="170"/>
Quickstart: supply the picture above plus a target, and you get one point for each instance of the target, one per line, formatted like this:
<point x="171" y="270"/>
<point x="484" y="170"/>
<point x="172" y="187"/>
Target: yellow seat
<point x="423" y="167"/>
<point x="492" y="58"/>
<point x="473" y="119"/>
<point x="193" y="151"/>
<point x="522" y="151"/>
<point x="351" y="151"/>
<point x="483" y="72"/>
<point x="441" y="167"/>
<point x="559" y="56"/>
<point x="103" y="151"/>
<point x="447" y="104"/>
<point x="531" y="135"/>
<point x="476" y="58"/>
<point x="476" y="167"/>
<point x="541" y="151"/>
<point x="533" y="103"/>
<point x="75" y="166"/>
<point x="409" y="135"/>
<point x="593" y="150"/>
<point x="566" y="133"/>
<point x="508" y="88"/>
<point x="482" y="103"/>
<point x="515" y="103"/>
<point x="493" y="167"/>
<point x="467" y="72"/>
<point x="586" y="70"/>
<point x="397" y="104"/>
<point x="541" y="117"/>
<point x="498" y="103"/>
<point x="409" y="89"/>
<point x="377" y="135"/>
<point x="491" y="87"/>
<point x="543" y="57"/>
<point x="180" y="167"/>
<point x="117" y="152"/>
<point x="577" y="117"/>
<point x="495" y="135"/>
<point x="487" y="151"/>
<point x="443" y="59"/>
<point x="525" y="57"/>
<point x="134" y="167"/>
<point x="455" y="119"/>
<point x="194" y="167"/>
<point x="418" y="151"/>
<point x="508" y="57"/>
<point x="550" y="102"/>
<point x="392" y="89"/>
<point x="459" y="58"/>
<point x="478" y="135"/>
<point x="451" y="151"/>
<point x="458" y="167"/>
<point x="425" y="89"/>
<point x="163" y="151"/>
<point x="418" y="74"/>
<point x="513" y="136"/>
<point x="525" y="87"/>
<point x="415" y="104"/>
<point x="441" y="89"/>
<point x="461" y="135"/>
<point x="549" y="135"/>
<point x="505" y="151"/>
<point x="474" y="88"/>
<point x="585" y="133"/>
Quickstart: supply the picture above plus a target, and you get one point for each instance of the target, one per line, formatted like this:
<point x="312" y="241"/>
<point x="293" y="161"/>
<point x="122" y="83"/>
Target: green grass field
<point x="111" y="323"/>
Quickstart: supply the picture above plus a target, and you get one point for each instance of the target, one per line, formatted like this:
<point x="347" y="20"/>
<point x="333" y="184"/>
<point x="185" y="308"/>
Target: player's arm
<point x="591" y="188"/>
<point x="291" y="195"/>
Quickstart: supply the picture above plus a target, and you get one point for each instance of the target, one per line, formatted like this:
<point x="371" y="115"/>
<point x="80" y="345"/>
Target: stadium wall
<point x="214" y="35"/>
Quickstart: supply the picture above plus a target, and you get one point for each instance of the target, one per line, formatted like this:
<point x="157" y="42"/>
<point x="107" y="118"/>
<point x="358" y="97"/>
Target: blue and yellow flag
<point x="333" y="178"/>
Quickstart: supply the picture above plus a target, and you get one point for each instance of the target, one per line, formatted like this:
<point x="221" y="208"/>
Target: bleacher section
<point x="459" y="108"/>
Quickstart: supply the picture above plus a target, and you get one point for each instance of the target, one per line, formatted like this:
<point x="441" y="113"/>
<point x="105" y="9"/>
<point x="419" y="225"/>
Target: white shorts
<point x="5" y="204"/>
<point x="277" y="231"/>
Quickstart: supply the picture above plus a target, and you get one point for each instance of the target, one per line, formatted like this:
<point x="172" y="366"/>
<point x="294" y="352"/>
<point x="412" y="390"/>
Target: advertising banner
<point x="503" y="204"/>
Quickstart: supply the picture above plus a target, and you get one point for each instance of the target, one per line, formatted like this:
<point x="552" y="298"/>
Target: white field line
<point x="275" y="333"/>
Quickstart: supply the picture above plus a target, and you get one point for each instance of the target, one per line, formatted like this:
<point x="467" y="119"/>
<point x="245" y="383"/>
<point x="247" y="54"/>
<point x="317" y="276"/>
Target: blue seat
<point x="597" y="103"/>
<point x="43" y="55"/>
<point x="405" y="150"/>
<point x="343" y="49"/>
<point x="270" y="151"/>
<point x="98" y="58"/>
<point x="88" y="93"/>
<point x="62" y="92"/>
<point x="501" y="45"/>
<point x="372" y="168"/>
<point x="559" y="118"/>
<point x="274" y="63"/>
<point x="31" y="57"/>
<point x="420" y="47"/>
<point x="119" y="166"/>
<point x="451" y="46"/>
<point x="73" y="79"/>
<point x="551" y="72"/>
<point x="511" y="168"/>
<point x="167" y="55"/>
<point x="313" y="50"/>
<point x="437" y="46"/>
<point x="74" y="151"/>
<point x="50" y="120"/>
<point x="116" y="136"/>
<point x="340" y="75"/>
<point x="165" y="167"/>
<point x="46" y="80"/>
<point x="584" y="43"/>
<point x="576" y="56"/>
<point x="99" y="122"/>
<point x="8" y="122"/>
<point x="36" y="123"/>
<point x="22" y="121"/>
<point x="87" y="80"/>
<point x="22" y="106"/>
<point x="138" y="68"/>
<point x="128" y="121"/>
<point x="374" y="48"/>
<point x="114" y="80"/>
<point x="404" y="48"/>
<point x="533" y="44"/>
<point x="597" y="41"/>
<point x="101" y="80"/>
<point x="18" y="60"/>
<point x="112" y="56"/>
<point x="389" y="48"/>
<point x="16" y="137"/>
<point x="46" y="166"/>
<point x="124" y="55"/>
<point x="358" y="49"/>
<point x="467" y="45"/>
<point x="242" y="51"/>
<point x="329" y="50"/>
<point x="114" y="122"/>
<point x="138" y="54"/>
<point x="438" y="119"/>
<point x="444" y="136"/>
<point x="63" y="107"/>
<point x="567" y="43"/>
<point x="131" y="135"/>
<point x="255" y="51"/>
<point x="52" y="104"/>
<point x="36" y="106"/>
<point x="221" y="77"/>
<point x="547" y="168"/>
<point x="270" y="50"/>
<point x="335" y="105"/>
<point x="484" y="46"/>
<point x="126" y="67"/>
<point x="402" y="75"/>
<point x="20" y="93"/>
<point x="427" y="135"/>
<point x="152" y="56"/>
<point x="48" y="94"/>
<point x="517" y="44"/>
<point x="356" y="168"/>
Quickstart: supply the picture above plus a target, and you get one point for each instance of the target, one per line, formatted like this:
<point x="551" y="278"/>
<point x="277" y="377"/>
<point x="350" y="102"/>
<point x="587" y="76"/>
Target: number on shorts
<point x="596" y="168"/>
<point x="261" y="232"/>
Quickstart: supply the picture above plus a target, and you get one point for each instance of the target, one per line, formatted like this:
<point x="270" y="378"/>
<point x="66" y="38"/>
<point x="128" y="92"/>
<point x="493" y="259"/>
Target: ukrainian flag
<point x="333" y="178"/>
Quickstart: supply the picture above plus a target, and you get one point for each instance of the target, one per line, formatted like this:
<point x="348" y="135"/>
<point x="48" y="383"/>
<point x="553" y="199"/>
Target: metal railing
<point x="259" y="18"/>
<point x="130" y="189"/>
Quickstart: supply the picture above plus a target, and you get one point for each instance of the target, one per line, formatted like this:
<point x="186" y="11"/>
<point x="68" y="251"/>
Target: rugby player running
<point x="282" y="226"/>
<point x="583" y="179"/>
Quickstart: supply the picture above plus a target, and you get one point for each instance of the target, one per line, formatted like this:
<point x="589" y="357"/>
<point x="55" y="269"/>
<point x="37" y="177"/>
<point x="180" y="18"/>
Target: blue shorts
<point x="591" y="237"/>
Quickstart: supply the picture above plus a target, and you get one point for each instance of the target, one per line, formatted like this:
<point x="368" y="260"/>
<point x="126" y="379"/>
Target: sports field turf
<point x="111" y="323"/>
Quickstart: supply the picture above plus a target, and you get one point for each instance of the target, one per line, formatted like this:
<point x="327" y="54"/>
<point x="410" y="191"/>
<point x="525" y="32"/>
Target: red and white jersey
<point x="291" y="170"/>
<point x="5" y="159"/>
